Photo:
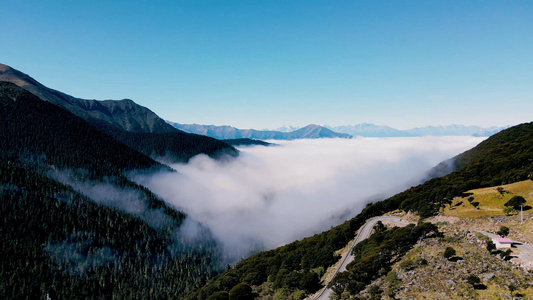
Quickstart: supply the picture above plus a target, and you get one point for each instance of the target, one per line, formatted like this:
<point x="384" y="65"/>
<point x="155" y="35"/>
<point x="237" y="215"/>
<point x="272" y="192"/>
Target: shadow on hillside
<point x="455" y="259"/>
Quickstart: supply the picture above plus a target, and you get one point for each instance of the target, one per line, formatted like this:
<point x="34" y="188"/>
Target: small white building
<point x="502" y="243"/>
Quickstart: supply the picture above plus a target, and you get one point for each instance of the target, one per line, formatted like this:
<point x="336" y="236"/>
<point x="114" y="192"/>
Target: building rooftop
<point x="503" y="240"/>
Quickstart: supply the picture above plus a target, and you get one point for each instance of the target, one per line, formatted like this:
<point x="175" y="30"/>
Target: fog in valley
<point x="270" y="196"/>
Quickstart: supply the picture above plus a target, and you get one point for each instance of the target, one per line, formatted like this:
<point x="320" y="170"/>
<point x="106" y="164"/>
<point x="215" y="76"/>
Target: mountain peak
<point x="4" y="68"/>
<point x="312" y="126"/>
<point x="137" y="119"/>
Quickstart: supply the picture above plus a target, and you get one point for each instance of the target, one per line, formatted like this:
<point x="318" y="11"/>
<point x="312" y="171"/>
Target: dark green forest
<point x="57" y="241"/>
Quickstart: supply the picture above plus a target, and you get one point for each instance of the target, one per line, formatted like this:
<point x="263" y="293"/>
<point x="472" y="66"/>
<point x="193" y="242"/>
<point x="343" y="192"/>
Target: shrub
<point x="515" y="202"/>
<point x="223" y="295"/>
<point x="508" y="210"/>
<point x="473" y="280"/>
<point x="241" y="291"/>
<point x="504" y="231"/>
<point x="491" y="246"/>
<point x="407" y="265"/>
<point x="411" y="264"/>
<point x="449" y="252"/>
<point x="374" y="290"/>
<point x="506" y="254"/>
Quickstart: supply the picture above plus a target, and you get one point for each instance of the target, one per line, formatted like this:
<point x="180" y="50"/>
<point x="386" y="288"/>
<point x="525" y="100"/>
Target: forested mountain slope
<point x="293" y="270"/>
<point x="247" y="142"/>
<point x="126" y="121"/>
<point x="36" y="128"/>
<point x="72" y="225"/>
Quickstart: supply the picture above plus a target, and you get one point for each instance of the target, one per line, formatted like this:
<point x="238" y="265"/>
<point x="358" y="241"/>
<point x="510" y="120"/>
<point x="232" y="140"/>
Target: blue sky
<point x="263" y="64"/>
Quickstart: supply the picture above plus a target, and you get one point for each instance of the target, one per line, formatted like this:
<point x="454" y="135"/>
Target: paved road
<point x="364" y="232"/>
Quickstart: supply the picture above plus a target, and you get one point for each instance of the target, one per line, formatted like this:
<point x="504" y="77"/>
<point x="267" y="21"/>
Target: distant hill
<point x="314" y="132"/>
<point x="451" y="130"/>
<point x="228" y="132"/>
<point x="288" y="132"/>
<point x="369" y="130"/>
<point x="372" y="130"/>
<point x="286" y="128"/>
<point x="247" y="142"/>
<point x="126" y="121"/>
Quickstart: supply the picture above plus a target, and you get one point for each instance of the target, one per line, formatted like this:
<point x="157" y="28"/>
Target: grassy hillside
<point x="504" y="158"/>
<point x="491" y="201"/>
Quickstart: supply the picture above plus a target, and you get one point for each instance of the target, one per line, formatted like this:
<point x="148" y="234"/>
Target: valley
<point x="155" y="212"/>
<point x="266" y="150"/>
<point x="414" y="204"/>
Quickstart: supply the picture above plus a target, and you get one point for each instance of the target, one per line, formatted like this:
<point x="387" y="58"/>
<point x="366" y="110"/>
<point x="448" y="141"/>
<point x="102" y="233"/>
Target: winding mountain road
<point x="364" y="232"/>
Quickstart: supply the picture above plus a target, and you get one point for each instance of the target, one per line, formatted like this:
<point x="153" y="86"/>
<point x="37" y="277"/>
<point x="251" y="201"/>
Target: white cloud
<point x="274" y="195"/>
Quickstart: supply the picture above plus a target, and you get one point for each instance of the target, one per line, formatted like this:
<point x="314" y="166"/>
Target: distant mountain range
<point x="288" y="132"/>
<point x="371" y="130"/>
<point x="228" y="132"/>
<point x="286" y="128"/>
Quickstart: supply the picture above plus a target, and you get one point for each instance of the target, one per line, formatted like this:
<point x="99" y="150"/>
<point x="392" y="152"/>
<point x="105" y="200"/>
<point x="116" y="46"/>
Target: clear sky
<point x="263" y="64"/>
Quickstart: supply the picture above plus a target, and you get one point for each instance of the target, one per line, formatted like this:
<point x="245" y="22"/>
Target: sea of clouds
<point x="270" y="196"/>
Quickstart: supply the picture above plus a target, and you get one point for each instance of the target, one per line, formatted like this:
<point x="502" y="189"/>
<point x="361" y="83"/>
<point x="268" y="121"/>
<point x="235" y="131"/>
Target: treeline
<point x="374" y="256"/>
